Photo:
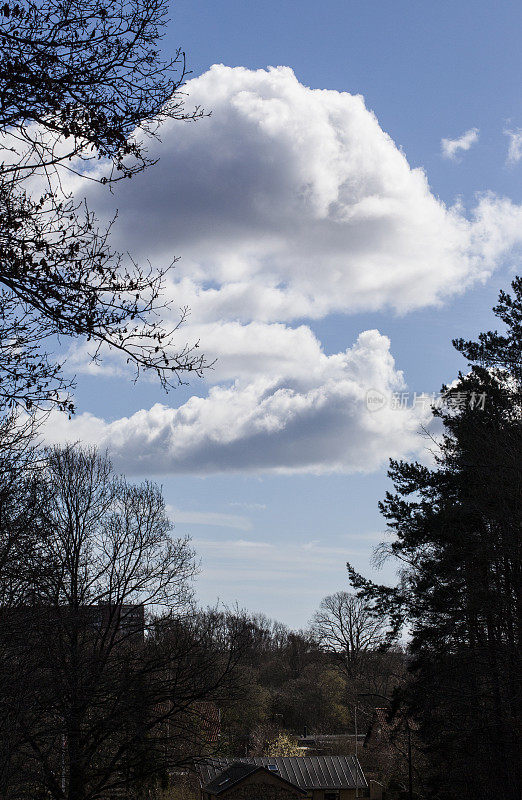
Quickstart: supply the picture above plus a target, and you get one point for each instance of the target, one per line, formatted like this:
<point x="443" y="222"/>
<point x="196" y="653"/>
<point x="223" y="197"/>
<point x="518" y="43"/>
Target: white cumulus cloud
<point x="287" y="204"/>
<point x="290" y="203"/>
<point x="293" y="422"/>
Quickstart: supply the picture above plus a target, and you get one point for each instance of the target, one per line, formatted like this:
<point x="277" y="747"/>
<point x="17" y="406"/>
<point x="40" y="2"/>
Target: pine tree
<point x="457" y="536"/>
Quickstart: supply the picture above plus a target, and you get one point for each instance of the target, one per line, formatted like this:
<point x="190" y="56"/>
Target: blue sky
<point x="295" y="238"/>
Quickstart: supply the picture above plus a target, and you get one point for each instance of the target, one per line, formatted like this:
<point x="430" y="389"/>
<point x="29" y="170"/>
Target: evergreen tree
<point x="457" y="536"/>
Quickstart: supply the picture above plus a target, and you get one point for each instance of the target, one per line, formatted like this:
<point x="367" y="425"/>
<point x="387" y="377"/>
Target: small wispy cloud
<point x="451" y="147"/>
<point x="268" y="561"/>
<point x="249" y="506"/>
<point x="371" y="536"/>
<point x="212" y="518"/>
<point x="515" y="146"/>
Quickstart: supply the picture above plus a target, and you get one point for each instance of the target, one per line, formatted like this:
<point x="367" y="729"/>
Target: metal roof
<point x="307" y="772"/>
<point x="237" y="772"/>
<point x="230" y="776"/>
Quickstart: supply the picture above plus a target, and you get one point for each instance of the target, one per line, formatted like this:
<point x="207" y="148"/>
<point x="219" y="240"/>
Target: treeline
<point x="112" y="679"/>
<point x="294" y="685"/>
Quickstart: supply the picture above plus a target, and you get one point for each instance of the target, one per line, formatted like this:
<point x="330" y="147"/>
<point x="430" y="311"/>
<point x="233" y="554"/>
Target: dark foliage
<point x="457" y="534"/>
<point x="98" y="695"/>
<point x="291" y="685"/>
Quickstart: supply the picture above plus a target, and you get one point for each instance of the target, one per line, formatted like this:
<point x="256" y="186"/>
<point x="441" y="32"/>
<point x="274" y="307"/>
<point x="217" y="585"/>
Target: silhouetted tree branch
<point x="80" y="82"/>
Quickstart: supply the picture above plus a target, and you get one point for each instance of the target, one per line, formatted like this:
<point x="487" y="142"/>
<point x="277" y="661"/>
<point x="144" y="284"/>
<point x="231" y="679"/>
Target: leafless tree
<point x="112" y="671"/>
<point x="21" y="504"/>
<point x="82" y="86"/>
<point x="345" y="626"/>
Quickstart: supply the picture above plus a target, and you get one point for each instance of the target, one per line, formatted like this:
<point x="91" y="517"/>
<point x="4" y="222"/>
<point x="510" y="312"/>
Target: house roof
<point x="230" y="776"/>
<point x="235" y="773"/>
<point x="307" y="772"/>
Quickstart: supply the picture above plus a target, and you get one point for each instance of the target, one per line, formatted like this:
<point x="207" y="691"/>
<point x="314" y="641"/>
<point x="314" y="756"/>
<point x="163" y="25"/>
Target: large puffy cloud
<point x="285" y="204"/>
<point x="316" y="421"/>
<point x="235" y="350"/>
<point x="290" y="203"/>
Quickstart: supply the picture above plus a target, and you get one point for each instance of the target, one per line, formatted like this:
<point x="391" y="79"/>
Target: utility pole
<point x="410" y="771"/>
<point x="64" y="744"/>
<point x="356" y="751"/>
